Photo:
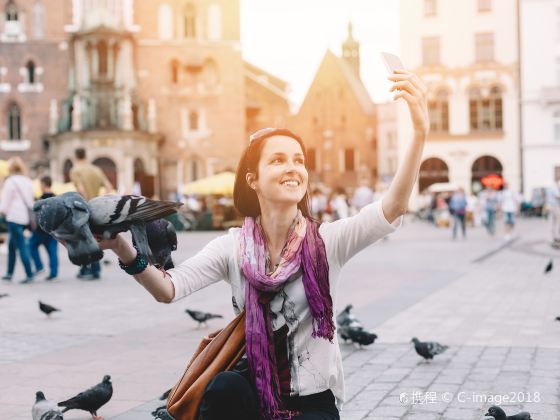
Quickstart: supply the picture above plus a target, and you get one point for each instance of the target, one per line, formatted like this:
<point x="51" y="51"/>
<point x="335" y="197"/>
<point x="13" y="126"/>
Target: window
<point x="349" y="164"/>
<point x="165" y="22"/>
<point x="485" y="111"/>
<point x="102" y="58"/>
<point x="311" y="159"/>
<point x="14" y="122"/>
<point x="484" y="48"/>
<point x="430" y="7"/>
<point x="214" y="22"/>
<point x="430" y="51"/>
<point x="174" y="71"/>
<point x="194" y="170"/>
<point x="38" y="13"/>
<point x="30" y="67"/>
<point x="11" y="12"/>
<point x="210" y="73"/>
<point x="193" y="121"/>
<point x="189" y="21"/>
<point x="484" y="5"/>
<point x="439" y="112"/>
<point x="557" y="173"/>
<point x="556" y="122"/>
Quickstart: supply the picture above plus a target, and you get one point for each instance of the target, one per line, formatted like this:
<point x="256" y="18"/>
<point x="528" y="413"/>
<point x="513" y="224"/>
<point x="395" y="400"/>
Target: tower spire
<point x="351" y="51"/>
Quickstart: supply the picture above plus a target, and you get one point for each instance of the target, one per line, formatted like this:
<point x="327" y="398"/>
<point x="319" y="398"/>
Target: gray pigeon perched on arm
<point x="44" y="409"/>
<point x="91" y="399"/>
<point x="65" y="218"/>
<point x="162" y="239"/>
<point x="428" y="349"/>
<point x="499" y="414"/>
<point x="201" y="317"/>
<point x="111" y="214"/>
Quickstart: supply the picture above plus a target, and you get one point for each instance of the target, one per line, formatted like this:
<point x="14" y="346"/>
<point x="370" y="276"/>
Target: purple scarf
<point x="303" y="247"/>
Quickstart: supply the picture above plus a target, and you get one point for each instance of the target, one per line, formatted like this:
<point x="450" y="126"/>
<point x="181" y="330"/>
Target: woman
<point x="283" y="269"/>
<point x="15" y="202"/>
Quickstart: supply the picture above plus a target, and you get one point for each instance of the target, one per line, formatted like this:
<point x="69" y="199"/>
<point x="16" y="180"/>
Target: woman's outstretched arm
<point x="413" y="91"/>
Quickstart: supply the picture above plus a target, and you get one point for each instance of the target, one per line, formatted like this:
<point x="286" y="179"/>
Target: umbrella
<point x="442" y="187"/>
<point x="221" y="184"/>
<point x="493" y="180"/>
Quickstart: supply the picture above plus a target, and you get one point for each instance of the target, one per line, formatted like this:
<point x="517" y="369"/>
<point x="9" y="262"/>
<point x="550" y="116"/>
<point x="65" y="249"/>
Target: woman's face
<point x="282" y="176"/>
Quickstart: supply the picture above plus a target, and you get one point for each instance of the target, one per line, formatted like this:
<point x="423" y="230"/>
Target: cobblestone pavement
<point x="486" y="298"/>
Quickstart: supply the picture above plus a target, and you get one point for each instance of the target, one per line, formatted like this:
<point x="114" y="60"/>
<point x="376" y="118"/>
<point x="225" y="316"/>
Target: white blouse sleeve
<point x="346" y="237"/>
<point x="208" y="266"/>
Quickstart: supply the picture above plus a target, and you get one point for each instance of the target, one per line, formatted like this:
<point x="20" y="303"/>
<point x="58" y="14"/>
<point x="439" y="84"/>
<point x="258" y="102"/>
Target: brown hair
<point x="80" y="153"/>
<point x="245" y="198"/>
<point x="16" y="166"/>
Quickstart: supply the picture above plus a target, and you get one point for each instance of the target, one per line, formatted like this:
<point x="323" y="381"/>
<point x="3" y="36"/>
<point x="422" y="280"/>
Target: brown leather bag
<point x="217" y="352"/>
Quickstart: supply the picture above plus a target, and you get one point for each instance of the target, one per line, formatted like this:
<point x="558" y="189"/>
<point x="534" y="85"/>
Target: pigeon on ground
<point x="357" y="335"/>
<point x="65" y="218"/>
<point x="161" y="413"/>
<point x="111" y="214"/>
<point x="44" y="409"/>
<point x="558" y="318"/>
<point x="165" y="394"/>
<point x="548" y="267"/>
<point x="201" y="317"/>
<point x="428" y="349"/>
<point x="162" y="239"/>
<point x="3" y="295"/>
<point x="345" y="318"/>
<point x="499" y="414"/>
<point x="91" y="399"/>
<point x="47" y="309"/>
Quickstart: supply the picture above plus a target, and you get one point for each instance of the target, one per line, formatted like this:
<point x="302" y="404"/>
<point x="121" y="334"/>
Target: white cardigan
<point x="315" y="363"/>
<point x="16" y="198"/>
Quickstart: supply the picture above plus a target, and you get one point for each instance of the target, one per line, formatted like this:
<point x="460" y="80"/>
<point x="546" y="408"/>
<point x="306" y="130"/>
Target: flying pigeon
<point x="201" y="317"/>
<point x="44" y="409"/>
<point x="47" y="309"/>
<point x="3" y="295"/>
<point x="498" y="414"/>
<point x="91" y="399"/>
<point x="111" y="214"/>
<point x="357" y="335"/>
<point x="65" y="218"/>
<point x="428" y="349"/>
<point x="162" y="240"/>
<point x="161" y="413"/>
<point x="548" y="267"/>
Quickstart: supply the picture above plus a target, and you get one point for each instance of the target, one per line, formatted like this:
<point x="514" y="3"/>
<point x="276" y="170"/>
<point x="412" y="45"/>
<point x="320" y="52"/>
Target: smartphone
<point x="392" y="62"/>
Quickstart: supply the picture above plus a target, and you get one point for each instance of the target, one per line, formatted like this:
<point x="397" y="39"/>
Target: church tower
<point x="351" y="51"/>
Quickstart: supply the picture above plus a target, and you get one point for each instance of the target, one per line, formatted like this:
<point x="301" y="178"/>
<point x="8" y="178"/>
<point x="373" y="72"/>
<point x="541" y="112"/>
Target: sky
<point x="288" y="38"/>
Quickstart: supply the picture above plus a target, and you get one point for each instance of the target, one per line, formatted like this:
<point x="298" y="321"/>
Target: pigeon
<point x="161" y="413"/>
<point x="162" y="239"/>
<point x="111" y="214"/>
<point x="428" y="349"/>
<point x="44" y="409"/>
<point x="47" y="309"/>
<point x="91" y="399"/>
<point x="165" y="394"/>
<point x="65" y="218"/>
<point x="201" y="317"/>
<point x="548" y="267"/>
<point x="345" y="318"/>
<point x="3" y="295"/>
<point x="558" y="318"/>
<point x="357" y="335"/>
<point x="498" y="414"/>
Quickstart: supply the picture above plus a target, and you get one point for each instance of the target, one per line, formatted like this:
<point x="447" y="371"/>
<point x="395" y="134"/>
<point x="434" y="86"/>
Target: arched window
<point x="11" y="12"/>
<point x="30" y="66"/>
<point x="484" y="166"/>
<point x="139" y="169"/>
<point x="174" y="71"/>
<point x="66" y="170"/>
<point x="214" y="22"/>
<point x="189" y="21"/>
<point x="432" y="170"/>
<point x="14" y="122"/>
<point x="38" y="12"/>
<point x="193" y="121"/>
<point x="210" y="73"/>
<point x="109" y="168"/>
<point x="165" y="22"/>
<point x="439" y="112"/>
<point x="485" y="110"/>
<point x="102" y="58"/>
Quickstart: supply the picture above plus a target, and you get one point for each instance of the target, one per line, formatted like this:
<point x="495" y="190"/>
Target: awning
<point x="219" y="184"/>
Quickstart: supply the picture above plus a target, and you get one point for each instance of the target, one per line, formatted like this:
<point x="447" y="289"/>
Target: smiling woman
<point x="283" y="268"/>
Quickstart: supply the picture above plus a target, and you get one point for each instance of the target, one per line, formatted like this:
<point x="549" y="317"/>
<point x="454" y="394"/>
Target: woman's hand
<point x="120" y="246"/>
<point x="113" y="243"/>
<point x="409" y="87"/>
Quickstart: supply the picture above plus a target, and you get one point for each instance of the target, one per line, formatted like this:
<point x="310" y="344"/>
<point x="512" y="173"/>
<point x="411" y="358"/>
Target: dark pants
<point x="230" y="396"/>
<point x="17" y="243"/>
<point x="459" y="220"/>
<point x="91" y="269"/>
<point x="37" y="239"/>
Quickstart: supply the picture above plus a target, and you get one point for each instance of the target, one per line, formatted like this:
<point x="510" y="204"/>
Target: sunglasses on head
<point x="269" y="132"/>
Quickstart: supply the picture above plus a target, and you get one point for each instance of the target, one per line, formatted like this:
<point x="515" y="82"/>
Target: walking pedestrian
<point x="553" y="198"/>
<point x="458" y="207"/>
<point x="88" y="180"/>
<point x="491" y="201"/>
<point x="509" y="202"/>
<point x="40" y="237"/>
<point x="15" y="202"/>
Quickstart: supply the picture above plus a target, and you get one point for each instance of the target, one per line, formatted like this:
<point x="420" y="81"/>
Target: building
<point x="540" y="84"/>
<point x="466" y="52"/>
<point x="337" y="122"/>
<point x="156" y="91"/>
<point x="387" y="150"/>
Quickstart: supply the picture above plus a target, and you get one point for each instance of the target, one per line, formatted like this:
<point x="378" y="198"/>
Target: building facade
<point x="540" y="84"/>
<point x="387" y="150"/>
<point x="466" y="53"/>
<point x="337" y="122"/>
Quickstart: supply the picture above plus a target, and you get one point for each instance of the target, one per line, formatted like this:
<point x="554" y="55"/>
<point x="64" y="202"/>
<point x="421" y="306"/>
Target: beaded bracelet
<point x="139" y="264"/>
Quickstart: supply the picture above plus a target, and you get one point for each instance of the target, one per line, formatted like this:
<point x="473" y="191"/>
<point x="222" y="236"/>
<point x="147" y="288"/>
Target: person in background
<point x="491" y="201"/>
<point x="318" y="204"/>
<point x="553" y="202"/>
<point x="339" y="204"/>
<point x="509" y="204"/>
<point x="40" y="237"/>
<point x="15" y="202"/>
<point x="363" y="196"/>
<point x="458" y="207"/>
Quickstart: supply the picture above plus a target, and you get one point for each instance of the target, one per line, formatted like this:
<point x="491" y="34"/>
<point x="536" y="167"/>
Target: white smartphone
<point x="392" y="62"/>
